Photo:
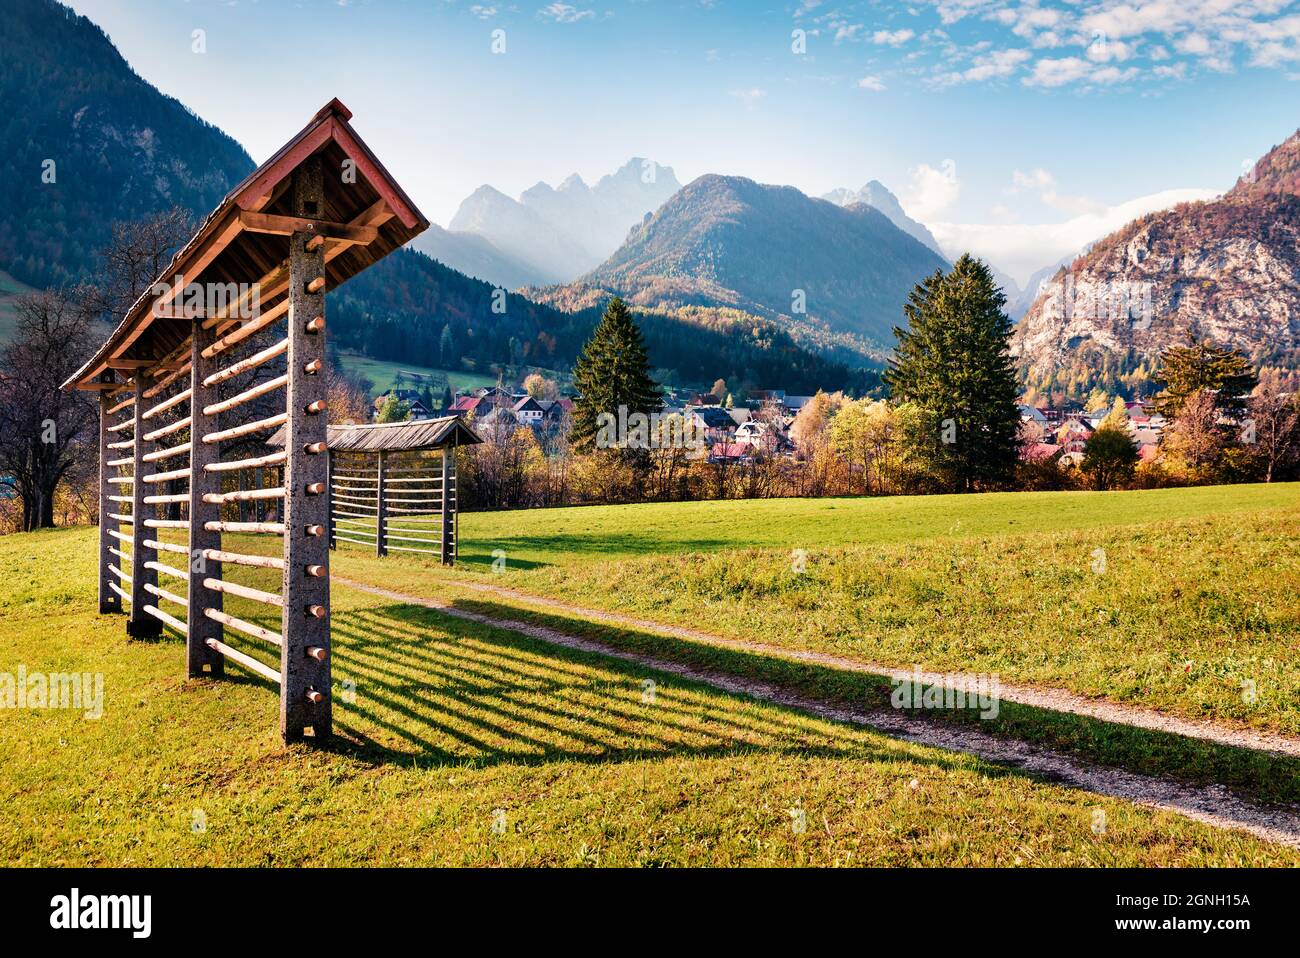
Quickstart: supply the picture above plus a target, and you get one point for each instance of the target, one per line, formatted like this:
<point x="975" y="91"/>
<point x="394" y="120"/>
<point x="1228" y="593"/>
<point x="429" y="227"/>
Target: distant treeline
<point x="410" y="308"/>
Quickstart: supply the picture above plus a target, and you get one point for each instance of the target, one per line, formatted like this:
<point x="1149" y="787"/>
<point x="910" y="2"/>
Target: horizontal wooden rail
<point x="359" y="500"/>
<point x="168" y="476"/>
<point x="160" y="454"/>
<point x="171" y="377"/>
<point x="247" y="661"/>
<point x="166" y="404"/>
<point x="166" y="619"/>
<point x="359" y="542"/>
<point x="169" y="497"/>
<point x="123" y="444"/>
<point x="271" y="528"/>
<point x="124" y="461"/>
<point x="248" y="628"/>
<point x="167" y="430"/>
<point x="126" y="403"/>
<point x="256" y="462"/>
<point x="159" y="546"/>
<point x="166" y="524"/>
<point x="271" y="422"/>
<point x="119" y="590"/>
<point x="388" y="534"/>
<point x="122" y="426"/>
<point x="244" y="592"/>
<point x="119" y="573"/>
<point x="128" y="520"/>
<point x="121" y="480"/>
<point x="120" y="554"/>
<point x="165" y="569"/>
<point x="243" y="495"/>
<point x="118" y="535"/>
<point x="244" y="365"/>
<point x="237" y="558"/>
<point x="355" y="515"/>
<point x="248" y="329"/>
<point x="248" y="395"/>
<point x="432" y="552"/>
<point x="164" y="594"/>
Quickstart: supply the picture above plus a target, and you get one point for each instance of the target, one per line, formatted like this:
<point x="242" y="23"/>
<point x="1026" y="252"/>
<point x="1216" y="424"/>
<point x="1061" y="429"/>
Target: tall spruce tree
<point x="1197" y="365"/>
<point x="953" y="362"/>
<point x="613" y="371"/>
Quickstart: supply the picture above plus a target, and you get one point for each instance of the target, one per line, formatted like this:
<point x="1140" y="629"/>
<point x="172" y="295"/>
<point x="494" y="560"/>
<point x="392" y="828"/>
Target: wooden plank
<point x="109" y="601"/>
<point x="141" y="625"/>
<point x="305" y="554"/>
<point x="381" y="505"/>
<point x="247" y="661"/>
<point x="288" y="225"/>
<point x="201" y="658"/>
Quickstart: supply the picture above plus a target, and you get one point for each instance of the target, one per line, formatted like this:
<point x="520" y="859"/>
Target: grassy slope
<point x="1196" y="597"/>
<point x="382" y="374"/>
<point x="451" y="722"/>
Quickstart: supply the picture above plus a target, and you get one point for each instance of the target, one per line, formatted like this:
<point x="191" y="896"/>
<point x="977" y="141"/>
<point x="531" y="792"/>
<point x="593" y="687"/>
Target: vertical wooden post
<point x="109" y="601"/>
<point x="381" y="504"/>
<point x="141" y="625"/>
<point x="329" y="492"/>
<point x="199" y="627"/>
<point x="305" y="623"/>
<point x="448" y="507"/>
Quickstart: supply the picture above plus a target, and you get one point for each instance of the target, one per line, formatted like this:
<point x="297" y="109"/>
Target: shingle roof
<point x="407" y="436"/>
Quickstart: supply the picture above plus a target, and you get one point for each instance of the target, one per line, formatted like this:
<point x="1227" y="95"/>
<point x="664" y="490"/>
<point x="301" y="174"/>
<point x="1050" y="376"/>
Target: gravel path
<point x="1053" y="699"/>
<point x="1213" y="805"/>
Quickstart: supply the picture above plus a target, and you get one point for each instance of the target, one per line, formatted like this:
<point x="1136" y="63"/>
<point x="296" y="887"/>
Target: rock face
<point x="1228" y="269"/>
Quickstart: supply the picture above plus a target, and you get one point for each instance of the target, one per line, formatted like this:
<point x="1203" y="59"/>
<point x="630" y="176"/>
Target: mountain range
<point x="124" y="151"/>
<point x="833" y="275"/>
<point x="1227" y="269"/>
<point x="550" y="234"/>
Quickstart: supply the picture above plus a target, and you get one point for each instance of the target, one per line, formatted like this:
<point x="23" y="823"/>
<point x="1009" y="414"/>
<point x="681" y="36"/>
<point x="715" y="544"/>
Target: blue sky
<point x="1020" y="130"/>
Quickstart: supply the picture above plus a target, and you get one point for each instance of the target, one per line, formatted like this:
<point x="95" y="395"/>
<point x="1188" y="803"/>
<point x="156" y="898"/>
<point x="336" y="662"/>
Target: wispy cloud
<point x="1021" y="248"/>
<point x="565" y="13"/>
<point x="872" y="83"/>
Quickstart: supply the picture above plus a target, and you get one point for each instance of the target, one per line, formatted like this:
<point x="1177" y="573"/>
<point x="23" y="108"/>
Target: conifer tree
<point x="612" y="372"/>
<point x="1195" y="365"/>
<point x="953" y="363"/>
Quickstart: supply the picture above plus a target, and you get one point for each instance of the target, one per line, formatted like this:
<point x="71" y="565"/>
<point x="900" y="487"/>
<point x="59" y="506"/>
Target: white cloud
<point x="749" y="94"/>
<point x="933" y="190"/>
<point x="988" y="66"/>
<point x="1059" y="72"/>
<point x="565" y="13"/>
<point x="1043" y="184"/>
<point x="1022" y="249"/>
<point x="894" y="39"/>
<point x="873" y="83"/>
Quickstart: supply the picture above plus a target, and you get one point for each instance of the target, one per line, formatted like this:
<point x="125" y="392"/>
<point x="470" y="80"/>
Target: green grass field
<point x="463" y="744"/>
<point x="1169" y="599"/>
<point x="383" y="374"/>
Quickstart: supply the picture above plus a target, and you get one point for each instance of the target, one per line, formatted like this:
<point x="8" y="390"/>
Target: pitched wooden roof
<point x="410" y="436"/>
<point x="245" y="239"/>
